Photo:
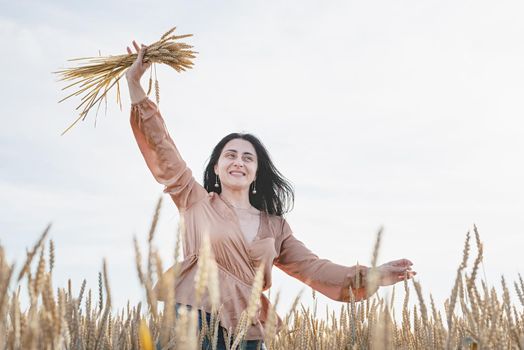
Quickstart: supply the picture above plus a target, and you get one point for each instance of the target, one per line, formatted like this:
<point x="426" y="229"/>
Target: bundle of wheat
<point x="97" y="75"/>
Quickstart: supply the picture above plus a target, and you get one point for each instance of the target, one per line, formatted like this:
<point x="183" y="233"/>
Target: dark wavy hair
<point x="275" y="194"/>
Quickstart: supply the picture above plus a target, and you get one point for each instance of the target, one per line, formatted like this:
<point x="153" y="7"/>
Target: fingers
<point x="142" y="52"/>
<point x="396" y="270"/>
<point x="397" y="266"/>
<point x="390" y="277"/>
<point x="409" y="274"/>
<point x="405" y="276"/>
<point x="401" y="262"/>
<point x="137" y="48"/>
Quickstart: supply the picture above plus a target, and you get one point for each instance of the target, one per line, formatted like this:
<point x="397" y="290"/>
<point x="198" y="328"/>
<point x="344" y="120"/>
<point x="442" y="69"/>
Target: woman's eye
<point x="230" y="156"/>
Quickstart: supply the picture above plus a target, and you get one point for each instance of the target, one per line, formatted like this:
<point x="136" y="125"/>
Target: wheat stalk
<point x="372" y="278"/>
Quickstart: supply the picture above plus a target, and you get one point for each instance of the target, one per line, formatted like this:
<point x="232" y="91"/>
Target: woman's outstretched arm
<point x="157" y="147"/>
<point x="330" y="279"/>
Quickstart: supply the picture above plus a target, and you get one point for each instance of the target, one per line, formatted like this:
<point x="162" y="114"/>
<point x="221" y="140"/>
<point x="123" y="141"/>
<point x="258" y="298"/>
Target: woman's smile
<point x="237" y="173"/>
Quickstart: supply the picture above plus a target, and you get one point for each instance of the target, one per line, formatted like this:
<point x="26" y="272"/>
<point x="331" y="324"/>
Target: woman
<point x="240" y="207"/>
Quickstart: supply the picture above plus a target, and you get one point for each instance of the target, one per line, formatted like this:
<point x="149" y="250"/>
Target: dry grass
<point x="96" y="76"/>
<point x="475" y="315"/>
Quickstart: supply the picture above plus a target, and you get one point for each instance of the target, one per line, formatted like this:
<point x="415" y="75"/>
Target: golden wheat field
<point x="474" y="316"/>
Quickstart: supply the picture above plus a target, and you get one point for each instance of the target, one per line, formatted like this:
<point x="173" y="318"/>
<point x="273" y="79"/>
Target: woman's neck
<point x="237" y="199"/>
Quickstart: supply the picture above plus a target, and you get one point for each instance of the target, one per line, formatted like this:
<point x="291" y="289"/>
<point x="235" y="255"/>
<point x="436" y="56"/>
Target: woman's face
<point x="237" y="165"/>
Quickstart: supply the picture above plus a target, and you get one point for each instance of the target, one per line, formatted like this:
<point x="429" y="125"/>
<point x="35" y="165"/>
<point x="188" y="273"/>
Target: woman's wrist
<point x="136" y="92"/>
<point x="139" y="98"/>
<point x="133" y="81"/>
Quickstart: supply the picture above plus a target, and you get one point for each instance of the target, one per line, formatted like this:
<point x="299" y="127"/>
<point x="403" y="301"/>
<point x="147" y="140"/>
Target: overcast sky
<point x="406" y="114"/>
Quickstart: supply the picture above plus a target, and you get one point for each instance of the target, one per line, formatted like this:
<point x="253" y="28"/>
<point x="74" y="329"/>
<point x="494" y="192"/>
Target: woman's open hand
<point x="139" y="67"/>
<point x="394" y="271"/>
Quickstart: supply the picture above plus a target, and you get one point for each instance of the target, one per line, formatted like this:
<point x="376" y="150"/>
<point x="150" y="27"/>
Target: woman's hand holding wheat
<point x="394" y="271"/>
<point x="135" y="72"/>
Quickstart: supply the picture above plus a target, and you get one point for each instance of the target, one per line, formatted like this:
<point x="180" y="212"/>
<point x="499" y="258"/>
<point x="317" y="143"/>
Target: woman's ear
<point x="215" y="169"/>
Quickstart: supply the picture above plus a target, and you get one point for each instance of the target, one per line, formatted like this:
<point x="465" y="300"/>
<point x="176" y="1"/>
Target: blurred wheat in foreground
<point x="475" y="315"/>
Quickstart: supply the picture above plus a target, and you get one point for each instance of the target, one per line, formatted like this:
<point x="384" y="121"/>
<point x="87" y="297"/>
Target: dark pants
<point x="221" y="343"/>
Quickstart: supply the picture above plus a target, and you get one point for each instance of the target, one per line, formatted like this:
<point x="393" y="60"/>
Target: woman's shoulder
<point x="202" y="203"/>
<point x="277" y="224"/>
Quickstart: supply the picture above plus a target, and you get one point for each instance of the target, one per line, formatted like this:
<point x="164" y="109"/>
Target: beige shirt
<point x="237" y="259"/>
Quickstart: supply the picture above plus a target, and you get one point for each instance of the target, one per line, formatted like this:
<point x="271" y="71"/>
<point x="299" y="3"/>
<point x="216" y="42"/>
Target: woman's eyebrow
<point x="234" y="150"/>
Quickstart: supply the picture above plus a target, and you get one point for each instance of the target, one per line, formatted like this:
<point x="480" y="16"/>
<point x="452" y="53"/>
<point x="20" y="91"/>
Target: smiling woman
<point x="251" y="178"/>
<point x="240" y="209"/>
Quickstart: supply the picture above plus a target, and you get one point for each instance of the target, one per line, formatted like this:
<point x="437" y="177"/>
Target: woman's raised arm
<point x="157" y="147"/>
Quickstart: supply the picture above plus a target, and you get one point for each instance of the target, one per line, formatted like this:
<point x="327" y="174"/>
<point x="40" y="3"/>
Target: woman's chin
<point x="235" y="186"/>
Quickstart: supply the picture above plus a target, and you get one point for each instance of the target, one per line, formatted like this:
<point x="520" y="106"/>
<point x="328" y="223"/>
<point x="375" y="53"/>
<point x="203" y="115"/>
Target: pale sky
<point x="404" y="114"/>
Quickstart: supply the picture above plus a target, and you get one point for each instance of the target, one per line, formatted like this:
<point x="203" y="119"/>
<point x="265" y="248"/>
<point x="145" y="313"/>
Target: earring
<point x="216" y="181"/>
<point x="254" y="188"/>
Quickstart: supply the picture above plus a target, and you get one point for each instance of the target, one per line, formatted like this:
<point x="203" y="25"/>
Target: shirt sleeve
<point x="162" y="156"/>
<point x="330" y="279"/>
